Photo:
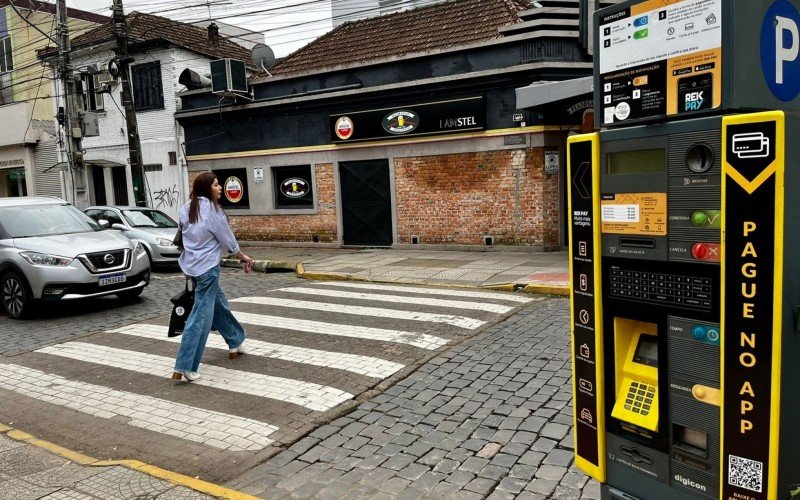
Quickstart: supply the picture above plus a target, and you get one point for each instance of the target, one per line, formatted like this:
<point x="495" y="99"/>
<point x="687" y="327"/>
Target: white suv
<point x="50" y="250"/>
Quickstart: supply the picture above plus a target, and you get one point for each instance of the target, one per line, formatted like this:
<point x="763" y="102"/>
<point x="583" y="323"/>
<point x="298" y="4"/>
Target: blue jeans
<point x="210" y="308"/>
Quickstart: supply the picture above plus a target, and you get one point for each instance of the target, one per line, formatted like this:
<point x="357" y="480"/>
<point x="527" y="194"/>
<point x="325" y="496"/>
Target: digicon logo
<point x="688" y="482"/>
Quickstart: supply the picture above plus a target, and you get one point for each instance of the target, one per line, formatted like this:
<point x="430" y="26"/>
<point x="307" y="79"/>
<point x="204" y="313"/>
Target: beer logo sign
<point x="294" y="187"/>
<point x="234" y="191"/>
<point x="344" y="128"/>
<point x="400" y="122"/>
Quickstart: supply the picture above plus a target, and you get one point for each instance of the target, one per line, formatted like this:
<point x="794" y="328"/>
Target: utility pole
<point x="73" y="104"/>
<point x="134" y="144"/>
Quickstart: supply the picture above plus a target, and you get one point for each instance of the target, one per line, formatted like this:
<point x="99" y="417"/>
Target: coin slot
<point x="700" y="158"/>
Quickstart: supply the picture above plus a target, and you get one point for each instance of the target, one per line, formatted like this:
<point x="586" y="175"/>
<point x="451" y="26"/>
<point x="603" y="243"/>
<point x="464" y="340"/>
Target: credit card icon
<point x="750" y="145"/>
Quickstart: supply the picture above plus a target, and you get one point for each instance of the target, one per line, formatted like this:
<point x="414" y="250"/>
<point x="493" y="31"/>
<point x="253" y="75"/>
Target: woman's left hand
<point x="244" y="258"/>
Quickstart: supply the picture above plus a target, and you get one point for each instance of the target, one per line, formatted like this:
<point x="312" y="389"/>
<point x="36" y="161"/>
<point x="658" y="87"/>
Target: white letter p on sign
<point x="785" y="54"/>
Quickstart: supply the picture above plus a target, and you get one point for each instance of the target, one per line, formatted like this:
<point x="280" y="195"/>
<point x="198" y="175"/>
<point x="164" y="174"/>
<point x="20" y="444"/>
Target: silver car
<point x="51" y="251"/>
<point x="154" y="229"/>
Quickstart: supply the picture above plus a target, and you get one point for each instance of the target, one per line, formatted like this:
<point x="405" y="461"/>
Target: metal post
<point x="134" y="144"/>
<point x="73" y="104"/>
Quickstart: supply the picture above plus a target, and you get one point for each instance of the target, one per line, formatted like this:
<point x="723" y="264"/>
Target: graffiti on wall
<point x="167" y="197"/>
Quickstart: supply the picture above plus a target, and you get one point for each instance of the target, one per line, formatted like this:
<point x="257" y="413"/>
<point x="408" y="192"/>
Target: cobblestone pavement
<point x="59" y="322"/>
<point x="490" y="417"/>
<point x="315" y="351"/>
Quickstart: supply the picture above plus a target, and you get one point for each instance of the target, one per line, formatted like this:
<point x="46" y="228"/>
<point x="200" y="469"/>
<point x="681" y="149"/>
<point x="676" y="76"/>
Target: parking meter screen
<point x="647" y="351"/>
<point x="644" y="161"/>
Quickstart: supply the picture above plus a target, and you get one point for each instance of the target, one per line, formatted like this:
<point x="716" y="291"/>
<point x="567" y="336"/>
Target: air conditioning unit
<point x="228" y="77"/>
<point x="105" y="78"/>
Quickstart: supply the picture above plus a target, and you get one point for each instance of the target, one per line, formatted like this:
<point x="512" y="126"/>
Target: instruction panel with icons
<point x="659" y="60"/>
<point x="586" y="329"/>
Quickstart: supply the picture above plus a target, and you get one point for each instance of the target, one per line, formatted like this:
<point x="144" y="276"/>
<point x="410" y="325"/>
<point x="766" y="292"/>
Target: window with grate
<point x="147" y="89"/>
<point x="153" y="167"/>
<point x="6" y="59"/>
<point x="90" y="84"/>
<point x="173" y="158"/>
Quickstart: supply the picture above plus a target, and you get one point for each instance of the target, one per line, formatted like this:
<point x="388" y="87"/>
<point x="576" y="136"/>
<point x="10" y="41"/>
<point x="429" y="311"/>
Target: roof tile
<point x="144" y="27"/>
<point x="437" y="26"/>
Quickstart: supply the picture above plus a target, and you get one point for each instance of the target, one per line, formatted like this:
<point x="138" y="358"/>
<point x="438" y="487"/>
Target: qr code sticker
<point x="745" y="473"/>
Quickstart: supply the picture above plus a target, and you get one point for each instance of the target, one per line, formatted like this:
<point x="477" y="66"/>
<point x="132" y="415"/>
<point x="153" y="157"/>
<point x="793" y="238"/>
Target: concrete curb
<point x="151" y="470"/>
<point x="263" y="266"/>
<point x="562" y="290"/>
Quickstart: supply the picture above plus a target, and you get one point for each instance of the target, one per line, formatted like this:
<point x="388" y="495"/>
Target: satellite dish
<point x="263" y="57"/>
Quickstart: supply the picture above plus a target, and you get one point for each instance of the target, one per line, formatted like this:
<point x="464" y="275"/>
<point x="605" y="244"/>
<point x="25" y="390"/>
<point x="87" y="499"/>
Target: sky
<point x="280" y="24"/>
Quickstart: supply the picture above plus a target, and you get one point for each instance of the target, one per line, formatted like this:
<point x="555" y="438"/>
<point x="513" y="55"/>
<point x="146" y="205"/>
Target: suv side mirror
<point x="118" y="226"/>
<point x="103" y="223"/>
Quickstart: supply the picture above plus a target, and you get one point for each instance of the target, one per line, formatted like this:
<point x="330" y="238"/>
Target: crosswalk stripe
<point x="400" y="299"/>
<point x="421" y="340"/>
<point x="460" y="321"/>
<point x="363" y="365"/>
<point x="430" y="291"/>
<point x="220" y="430"/>
<point x="309" y="395"/>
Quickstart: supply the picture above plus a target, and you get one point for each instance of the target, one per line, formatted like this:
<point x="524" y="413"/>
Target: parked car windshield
<point x="148" y="218"/>
<point x="45" y="220"/>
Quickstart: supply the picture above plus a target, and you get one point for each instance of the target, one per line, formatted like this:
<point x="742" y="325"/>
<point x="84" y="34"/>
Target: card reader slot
<point x="637" y="242"/>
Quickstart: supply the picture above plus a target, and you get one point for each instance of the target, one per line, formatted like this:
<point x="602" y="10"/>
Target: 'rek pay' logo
<point x="694" y="101"/>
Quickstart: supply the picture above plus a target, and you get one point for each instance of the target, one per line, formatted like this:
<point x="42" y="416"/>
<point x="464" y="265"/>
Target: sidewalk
<point x="538" y="272"/>
<point x="32" y="469"/>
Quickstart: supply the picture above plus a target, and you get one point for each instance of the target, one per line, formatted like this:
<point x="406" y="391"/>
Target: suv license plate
<point x="112" y="279"/>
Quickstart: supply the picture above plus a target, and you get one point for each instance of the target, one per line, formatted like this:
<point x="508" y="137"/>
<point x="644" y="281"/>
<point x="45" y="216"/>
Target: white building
<point x="350" y="10"/>
<point x="28" y="149"/>
<point x="160" y="50"/>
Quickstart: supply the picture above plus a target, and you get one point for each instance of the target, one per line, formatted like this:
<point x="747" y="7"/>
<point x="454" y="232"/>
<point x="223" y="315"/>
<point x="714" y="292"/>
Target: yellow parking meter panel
<point x="585" y="305"/>
<point x="752" y="302"/>
<point x="637" y="374"/>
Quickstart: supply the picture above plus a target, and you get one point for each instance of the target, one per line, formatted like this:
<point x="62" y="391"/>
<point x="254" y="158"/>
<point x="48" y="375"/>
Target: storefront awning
<point x="63" y="165"/>
<point x="545" y="93"/>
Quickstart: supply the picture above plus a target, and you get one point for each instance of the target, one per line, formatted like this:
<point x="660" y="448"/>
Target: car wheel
<point x="14" y="295"/>
<point x="130" y="294"/>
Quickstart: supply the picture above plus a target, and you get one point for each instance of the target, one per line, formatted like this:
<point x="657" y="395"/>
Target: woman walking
<point x="206" y="234"/>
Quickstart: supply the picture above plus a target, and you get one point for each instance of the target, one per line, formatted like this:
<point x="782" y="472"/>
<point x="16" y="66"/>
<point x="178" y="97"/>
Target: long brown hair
<point x="201" y="187"/>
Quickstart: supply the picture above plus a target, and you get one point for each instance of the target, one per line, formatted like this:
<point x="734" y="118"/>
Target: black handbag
<point x="182" y="305"/>
<point x="178" y="239"/>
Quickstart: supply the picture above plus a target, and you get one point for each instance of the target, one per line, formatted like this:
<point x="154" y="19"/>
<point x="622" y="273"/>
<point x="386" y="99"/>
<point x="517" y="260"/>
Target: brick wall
<point x="444" y="199"/>
<point x="458" y="198"/>
<point x="301" y="228"/>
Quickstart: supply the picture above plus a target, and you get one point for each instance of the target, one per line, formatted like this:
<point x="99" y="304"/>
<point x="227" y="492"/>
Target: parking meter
<point x="684" y="252"/>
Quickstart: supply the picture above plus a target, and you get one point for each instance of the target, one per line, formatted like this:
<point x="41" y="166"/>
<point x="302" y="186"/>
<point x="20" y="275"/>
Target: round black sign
<point x="294" y="187"/>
